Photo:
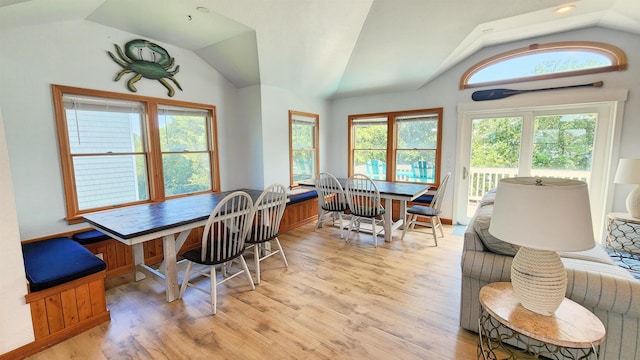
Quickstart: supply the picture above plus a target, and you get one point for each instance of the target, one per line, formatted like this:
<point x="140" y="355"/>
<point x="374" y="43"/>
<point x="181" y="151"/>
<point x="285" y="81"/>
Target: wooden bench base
<point x="298" y="214"/>
<point x="63" y="311"/>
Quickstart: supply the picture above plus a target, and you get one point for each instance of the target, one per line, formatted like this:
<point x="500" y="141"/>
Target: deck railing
<point x="482" y="180"/>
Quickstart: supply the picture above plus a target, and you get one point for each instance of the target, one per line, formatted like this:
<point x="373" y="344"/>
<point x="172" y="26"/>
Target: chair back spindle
<point x="331" y="199"/>
<point x="228" y="227"/>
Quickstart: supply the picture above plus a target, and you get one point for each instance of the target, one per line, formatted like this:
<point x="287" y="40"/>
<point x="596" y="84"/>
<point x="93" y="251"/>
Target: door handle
<point x="465" y="173"/>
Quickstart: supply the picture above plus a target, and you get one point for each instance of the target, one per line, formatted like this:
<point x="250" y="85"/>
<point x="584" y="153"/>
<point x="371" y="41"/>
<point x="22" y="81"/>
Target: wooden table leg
<point x="388" y="220"/>
<point x="138" y="262"/>
<point x="182" y="238"/>
<point x="403" y="212"/>
<point x="171" y="274"/>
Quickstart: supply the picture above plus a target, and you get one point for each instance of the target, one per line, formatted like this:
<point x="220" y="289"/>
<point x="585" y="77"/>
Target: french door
<point x="552" y="141"/>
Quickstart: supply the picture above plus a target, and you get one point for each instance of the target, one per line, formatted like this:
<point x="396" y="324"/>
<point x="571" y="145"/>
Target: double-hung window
<point x="399" y="146"/>
<point x="303" y="146"/>
<point x="184" y="143"/>
<point x="119" y="150"/>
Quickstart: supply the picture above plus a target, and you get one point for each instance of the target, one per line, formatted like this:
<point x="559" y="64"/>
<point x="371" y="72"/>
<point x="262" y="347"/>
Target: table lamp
<point x="629" y="173"/>
<point x="542" y="216"/>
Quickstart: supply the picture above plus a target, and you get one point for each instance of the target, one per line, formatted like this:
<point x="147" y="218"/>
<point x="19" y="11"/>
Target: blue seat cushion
<point x="422" y="210"/>
<point x="303" y="196"/>
<point x="426" y="199"/>
<point x="90" y="237"/>
<point x="56" y="261"/>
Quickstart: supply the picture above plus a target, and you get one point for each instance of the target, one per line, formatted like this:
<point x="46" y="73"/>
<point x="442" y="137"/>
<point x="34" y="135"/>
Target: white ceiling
<point x="330" y="48"/>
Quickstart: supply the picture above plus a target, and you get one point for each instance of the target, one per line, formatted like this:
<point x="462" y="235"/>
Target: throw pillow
<point x="488" y="197"/>
<point x="481" y="226"/>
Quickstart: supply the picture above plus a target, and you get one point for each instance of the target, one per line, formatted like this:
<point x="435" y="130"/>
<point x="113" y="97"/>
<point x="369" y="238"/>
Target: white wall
<point x="75" y="54"/>
<point x="15" y="328"/>
<point x="443" y="92"/>
<point x="276" y="103"/>
<point x="252" y="124"/>
<point x="253" y="142"/>
<point x="242" y="143"/>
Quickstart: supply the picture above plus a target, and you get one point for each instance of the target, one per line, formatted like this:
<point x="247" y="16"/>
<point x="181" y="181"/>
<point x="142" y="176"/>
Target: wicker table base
<point x="509" y="331"/>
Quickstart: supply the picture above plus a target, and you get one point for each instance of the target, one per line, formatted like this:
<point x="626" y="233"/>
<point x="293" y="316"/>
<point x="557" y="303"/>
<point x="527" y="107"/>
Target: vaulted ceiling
<point x="331" y="48"/>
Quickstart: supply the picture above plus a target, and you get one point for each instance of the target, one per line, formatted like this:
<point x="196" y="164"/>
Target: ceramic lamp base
<point x="633" y="202"/>
<point x="539" y="280"/>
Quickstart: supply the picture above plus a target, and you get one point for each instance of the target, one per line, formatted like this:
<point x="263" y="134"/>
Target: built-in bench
<point x="90" y="237"/>
<point x="117" y="255"/>
<point x="423" y="199"/>
<point x="66" y="290"/>
<point x="302" y="196"/>
<point x="301" y="209"/>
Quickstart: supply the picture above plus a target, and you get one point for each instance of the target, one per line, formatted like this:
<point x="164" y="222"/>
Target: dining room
<point x="335" y="300"/>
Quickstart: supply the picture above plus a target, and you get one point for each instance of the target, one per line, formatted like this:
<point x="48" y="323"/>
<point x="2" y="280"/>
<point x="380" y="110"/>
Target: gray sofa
<point x="594" y="281"/>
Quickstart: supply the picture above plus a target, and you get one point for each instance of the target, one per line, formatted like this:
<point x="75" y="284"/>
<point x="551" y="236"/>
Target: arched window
<point x="545" y="61"/>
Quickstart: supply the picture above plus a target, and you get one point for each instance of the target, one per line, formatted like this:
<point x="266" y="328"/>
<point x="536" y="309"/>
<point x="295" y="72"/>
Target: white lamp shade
<point x="628" y="171"/>
<point x="543" y="213"/>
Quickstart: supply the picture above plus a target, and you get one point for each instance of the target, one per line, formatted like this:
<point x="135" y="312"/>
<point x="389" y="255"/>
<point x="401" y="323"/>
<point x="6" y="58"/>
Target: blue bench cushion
<point x="300" y="197"/>
<point x="56" y="261"/>
<point x="426" y="199"/>
<point x="90" y="237"/>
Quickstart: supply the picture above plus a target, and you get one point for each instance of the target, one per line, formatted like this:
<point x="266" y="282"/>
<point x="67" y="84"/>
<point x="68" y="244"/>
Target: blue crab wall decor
<point x="147" y="60"/>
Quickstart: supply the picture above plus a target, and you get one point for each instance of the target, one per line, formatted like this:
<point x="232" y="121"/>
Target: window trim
<point x="615" y="54"/>
<point x="392" y="140"/>
<point x="316" y="165"/>
<point x="151" y="139"/>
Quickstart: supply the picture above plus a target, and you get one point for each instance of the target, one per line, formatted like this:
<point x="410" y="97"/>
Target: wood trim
<point x="392" y="132"/>
<point x="298" y="214"/>
<point x="614" y="53"/>
<point x="152" y="146"/>
<point x="291" y="183"/>
<point x="316" y="140"/>
<point x="215" y="157"/>
<point x="68" y="177"/>
<point x="52" y="291"/>
<point x="154" y="163"/>
<point x="63" y="311"/>
<point x="39" y="345"/>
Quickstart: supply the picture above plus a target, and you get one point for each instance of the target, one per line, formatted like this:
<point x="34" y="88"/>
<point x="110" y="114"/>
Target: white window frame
<point x="609" y="103"/>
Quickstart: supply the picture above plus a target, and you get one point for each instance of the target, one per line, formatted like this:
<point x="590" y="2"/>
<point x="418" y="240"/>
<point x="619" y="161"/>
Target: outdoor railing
<point x="482" y="180"/>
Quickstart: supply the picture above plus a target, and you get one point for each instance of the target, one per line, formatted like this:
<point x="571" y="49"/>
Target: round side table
<point x="573" y="332"/>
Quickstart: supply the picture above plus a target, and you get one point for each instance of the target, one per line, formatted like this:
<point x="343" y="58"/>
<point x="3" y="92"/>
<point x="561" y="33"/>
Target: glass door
<point x="494" y="154"/>
<point x="563" y="141"/>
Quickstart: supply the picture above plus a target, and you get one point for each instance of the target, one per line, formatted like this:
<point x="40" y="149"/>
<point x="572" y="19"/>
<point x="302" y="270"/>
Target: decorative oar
<point x="494" y="94"/>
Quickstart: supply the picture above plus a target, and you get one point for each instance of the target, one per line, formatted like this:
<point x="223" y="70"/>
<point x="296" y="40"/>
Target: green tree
<point x="184" y="141"/>
<point x="496" y="142"/>
<point x="560" y="142"/>
<point x="302" y="140"/>
<point x="564" y="141"/>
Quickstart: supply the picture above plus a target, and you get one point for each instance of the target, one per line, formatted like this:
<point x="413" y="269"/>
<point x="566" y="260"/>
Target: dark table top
<point x="138" y="220"/>
<point x="396" y="190"/>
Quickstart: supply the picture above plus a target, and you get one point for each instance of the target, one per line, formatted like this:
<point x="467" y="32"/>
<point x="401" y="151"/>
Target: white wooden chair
<point x="364" y="202"/>
<point x="432" y="212"/>
<point x="223" y="240"/>
<point x="331" y="200"/>
<point x="269" y="209"/>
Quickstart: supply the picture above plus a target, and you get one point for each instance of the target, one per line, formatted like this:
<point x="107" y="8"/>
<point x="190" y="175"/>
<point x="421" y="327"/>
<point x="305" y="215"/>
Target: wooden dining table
<point x="133" y="225"/>
<point x="389" y="191"/>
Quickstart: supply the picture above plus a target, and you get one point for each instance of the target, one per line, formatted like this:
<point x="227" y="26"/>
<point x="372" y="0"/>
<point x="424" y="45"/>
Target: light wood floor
<point x="336" y="300"/>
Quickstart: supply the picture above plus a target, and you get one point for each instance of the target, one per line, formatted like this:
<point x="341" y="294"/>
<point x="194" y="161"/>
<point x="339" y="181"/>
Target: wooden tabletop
<point x="390" y="189"/>
<point x="571" y="326"/>
<point x="134" y="221"/>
